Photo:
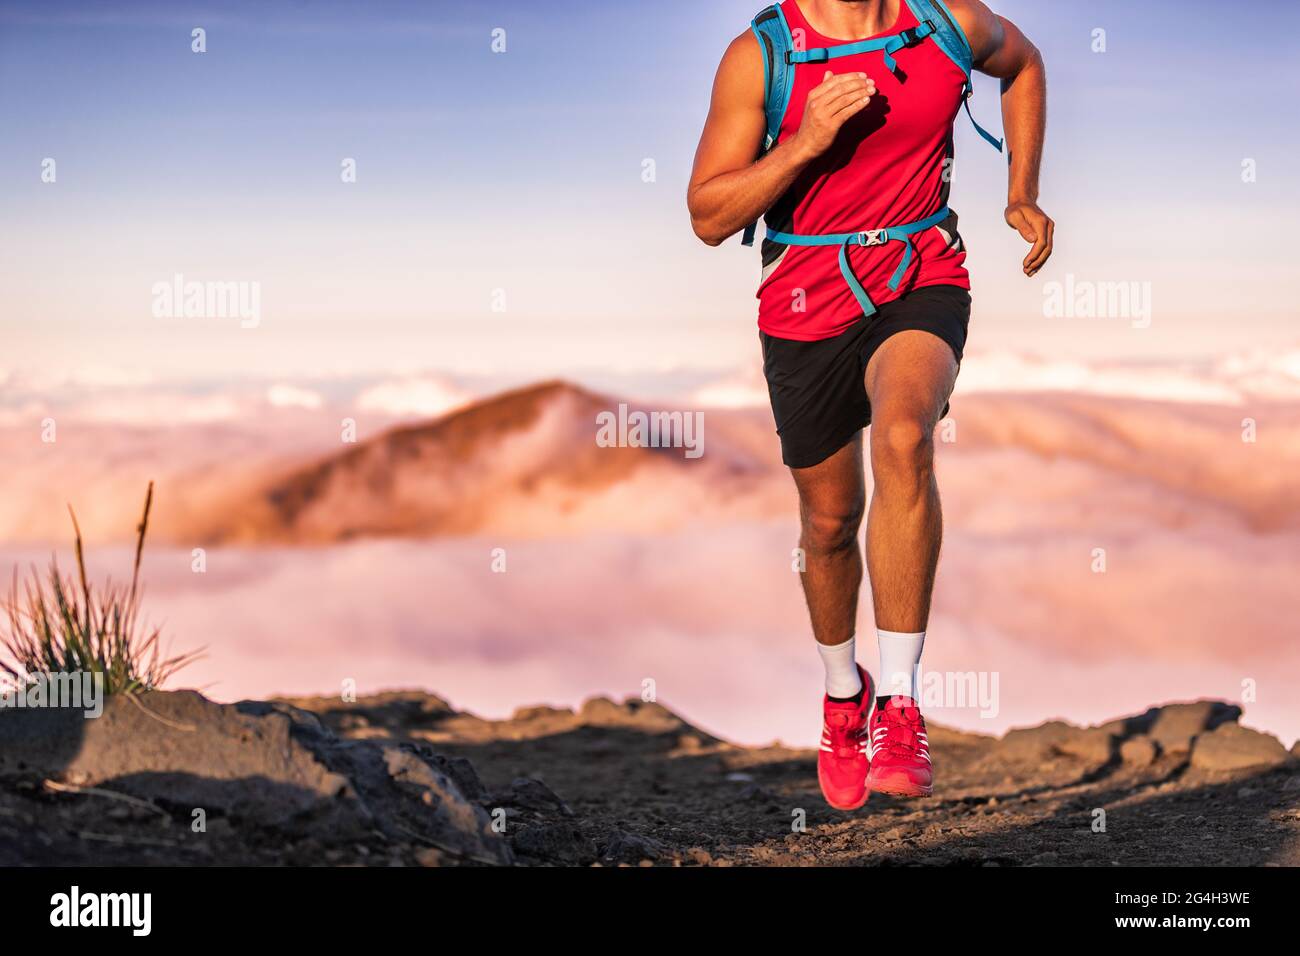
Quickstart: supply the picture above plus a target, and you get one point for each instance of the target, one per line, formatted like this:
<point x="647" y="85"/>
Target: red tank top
<point x="888" y="167"/>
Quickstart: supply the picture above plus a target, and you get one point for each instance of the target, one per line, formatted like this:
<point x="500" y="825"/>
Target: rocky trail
<point x="402" y="778"/>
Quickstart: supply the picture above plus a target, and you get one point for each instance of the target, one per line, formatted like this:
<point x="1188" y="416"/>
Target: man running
<point x="863" y="310"/>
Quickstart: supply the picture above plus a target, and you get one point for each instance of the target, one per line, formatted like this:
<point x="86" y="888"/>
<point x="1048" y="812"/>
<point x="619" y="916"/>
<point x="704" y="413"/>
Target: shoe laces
<point x="899" y="729"/>
<point x="845" y="739"/>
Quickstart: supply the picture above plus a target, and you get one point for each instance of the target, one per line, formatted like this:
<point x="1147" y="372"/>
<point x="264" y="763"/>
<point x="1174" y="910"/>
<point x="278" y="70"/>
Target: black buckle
<point x="913" y="35"/>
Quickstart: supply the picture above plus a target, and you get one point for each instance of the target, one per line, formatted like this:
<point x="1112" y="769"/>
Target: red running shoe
<point x="842" y="760"/>
<point x="900" y="751"/>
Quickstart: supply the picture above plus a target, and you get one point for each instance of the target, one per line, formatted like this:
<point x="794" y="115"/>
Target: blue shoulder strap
<point x="947" y="34"/>
<point x="774" y="39"/>
<point x="951" y="39"/>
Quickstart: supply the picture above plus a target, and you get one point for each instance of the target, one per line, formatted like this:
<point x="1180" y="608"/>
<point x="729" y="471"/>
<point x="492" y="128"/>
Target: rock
<point x="269" y="768"/>
<point x="559" y="842"/>
<point x="455" y="825"/>
<point x="394" y="710"/>
<point x="1139" y="752"/>
<point x="699" y="856"/>
<point x="541" y="712"/>
<point x="1233" y="747"/>
<point x="601" y="711"/>
<point x="1178" y="724"/>
<point x="753" y="793"/>
<point x="623" y="847"/>
<point x="1173" y="726"/>
<point x="1090" y="743"/>
<point x="1034" y="743"/>
<point x="634" y="713"/>
<point x="461" y="771"/>
<point x="529" y="793"/>
<point x="1030" y="744"/>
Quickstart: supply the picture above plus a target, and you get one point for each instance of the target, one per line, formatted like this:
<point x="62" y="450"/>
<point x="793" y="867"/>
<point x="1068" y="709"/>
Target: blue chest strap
<point x="869" y="237"/>
<point x="888" y="45"/>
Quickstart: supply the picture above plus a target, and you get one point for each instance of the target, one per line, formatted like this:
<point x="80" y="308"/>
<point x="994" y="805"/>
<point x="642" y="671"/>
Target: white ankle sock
<point x="900" y="656"/>
<point x="841" y="665"/>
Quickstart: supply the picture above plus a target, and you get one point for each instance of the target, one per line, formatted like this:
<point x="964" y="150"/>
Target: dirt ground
<point x="642" y="786"/>
<point x="403" y="779"/>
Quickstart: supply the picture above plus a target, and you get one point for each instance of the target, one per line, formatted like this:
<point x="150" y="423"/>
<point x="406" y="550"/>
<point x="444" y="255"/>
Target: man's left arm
<point x="1001" y="50"/>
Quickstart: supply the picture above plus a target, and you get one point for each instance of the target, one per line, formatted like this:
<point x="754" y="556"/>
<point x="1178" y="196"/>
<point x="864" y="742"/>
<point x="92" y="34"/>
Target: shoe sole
<point x="856" y="806"/>
<point x="848" y="806"/>
<point x="903" y="791"/>
<point x="898" y="788"/>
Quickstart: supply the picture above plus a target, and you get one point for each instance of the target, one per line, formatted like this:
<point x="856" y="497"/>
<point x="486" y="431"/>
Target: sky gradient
<point x="522" y="171"/>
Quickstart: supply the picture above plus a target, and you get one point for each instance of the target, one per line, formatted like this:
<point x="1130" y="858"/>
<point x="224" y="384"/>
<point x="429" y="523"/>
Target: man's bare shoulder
<point x="740" y="74"/>
<point x="967" y="11"/>
<point x="743" y="55"/>
<point x="979" y="23"/>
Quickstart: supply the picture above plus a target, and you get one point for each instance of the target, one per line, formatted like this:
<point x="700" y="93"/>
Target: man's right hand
<point x="830" y="105"/>
<point x="734" y="181"/>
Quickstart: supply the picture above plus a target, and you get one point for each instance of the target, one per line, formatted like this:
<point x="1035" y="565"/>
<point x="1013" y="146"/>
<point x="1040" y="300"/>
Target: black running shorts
<point x="819" y="397"/>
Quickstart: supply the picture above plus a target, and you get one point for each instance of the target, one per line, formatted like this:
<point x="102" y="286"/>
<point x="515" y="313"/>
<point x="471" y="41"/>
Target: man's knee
<point x="902" y="449"/>
<point x="831" y="529"/>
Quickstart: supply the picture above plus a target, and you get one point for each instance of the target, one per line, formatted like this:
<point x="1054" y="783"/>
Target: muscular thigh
<point x="910" y="377"/>
<point x="834" y="488"/>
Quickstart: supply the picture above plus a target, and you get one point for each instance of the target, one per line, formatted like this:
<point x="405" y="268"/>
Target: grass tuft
<point x="58" y="625"/>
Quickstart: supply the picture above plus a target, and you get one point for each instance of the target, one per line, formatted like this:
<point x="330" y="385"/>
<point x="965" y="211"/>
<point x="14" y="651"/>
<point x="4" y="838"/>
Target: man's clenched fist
<point x="829" y="106"/>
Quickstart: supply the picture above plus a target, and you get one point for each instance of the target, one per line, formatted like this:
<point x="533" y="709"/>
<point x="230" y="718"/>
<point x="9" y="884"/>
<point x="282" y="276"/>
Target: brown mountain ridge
<point x="524" y="462"/>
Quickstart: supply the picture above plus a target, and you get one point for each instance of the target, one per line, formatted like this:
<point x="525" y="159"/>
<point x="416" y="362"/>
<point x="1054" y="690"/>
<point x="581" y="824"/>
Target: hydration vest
<point x="934" y="23"/>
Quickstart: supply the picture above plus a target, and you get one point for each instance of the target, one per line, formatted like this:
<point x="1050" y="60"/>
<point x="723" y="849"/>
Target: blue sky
<point x="522" y="171"/>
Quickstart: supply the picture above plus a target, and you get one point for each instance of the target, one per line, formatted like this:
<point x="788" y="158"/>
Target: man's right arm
<point x="728" y="189"/>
